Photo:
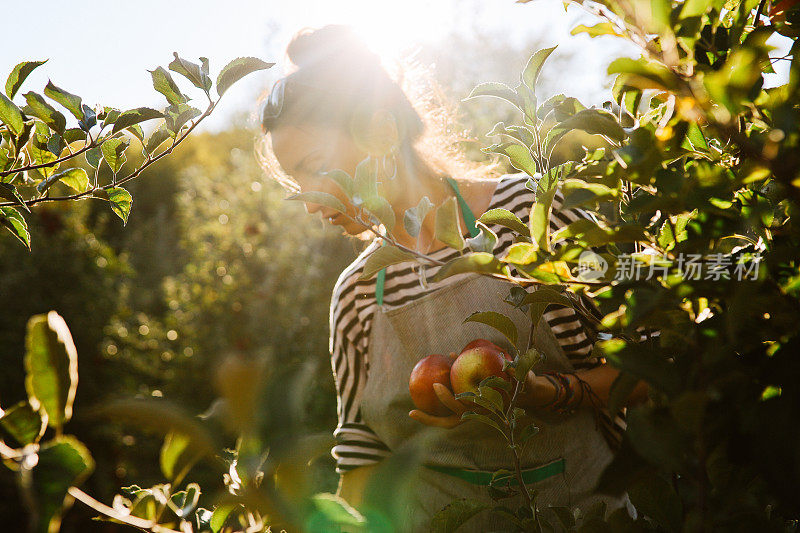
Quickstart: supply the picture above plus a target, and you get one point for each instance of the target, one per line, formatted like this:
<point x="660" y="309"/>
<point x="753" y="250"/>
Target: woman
<point x="380" y="330"/>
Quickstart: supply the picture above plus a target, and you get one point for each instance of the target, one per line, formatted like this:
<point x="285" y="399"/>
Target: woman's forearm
<point x="539" y="391"/>
<point x="353" y="482"/>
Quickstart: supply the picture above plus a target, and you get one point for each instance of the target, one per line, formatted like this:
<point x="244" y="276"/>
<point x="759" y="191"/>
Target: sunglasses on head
<point x="274" y="106"/>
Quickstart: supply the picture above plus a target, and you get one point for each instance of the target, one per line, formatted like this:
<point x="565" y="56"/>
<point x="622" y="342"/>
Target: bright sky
<point x="101" y="50"/>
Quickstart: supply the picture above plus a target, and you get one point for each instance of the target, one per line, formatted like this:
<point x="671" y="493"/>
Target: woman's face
<point x="304" y="151"/>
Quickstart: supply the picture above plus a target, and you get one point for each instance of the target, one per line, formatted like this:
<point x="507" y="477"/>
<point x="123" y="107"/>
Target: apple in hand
<point x="477" y="361"/>
<point x="429" y="370"/>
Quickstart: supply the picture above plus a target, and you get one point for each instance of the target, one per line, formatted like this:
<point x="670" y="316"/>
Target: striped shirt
<point x="353" y="305"/>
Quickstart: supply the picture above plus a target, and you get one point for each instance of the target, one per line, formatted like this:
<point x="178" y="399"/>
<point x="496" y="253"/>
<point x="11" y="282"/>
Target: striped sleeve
<point x="356" y="444"/>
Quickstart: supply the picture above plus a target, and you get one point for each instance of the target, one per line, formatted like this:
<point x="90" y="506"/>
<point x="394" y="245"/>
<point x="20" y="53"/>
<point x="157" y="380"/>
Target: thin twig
<point x="149" y="161"/>
<point x="102" y="508"/>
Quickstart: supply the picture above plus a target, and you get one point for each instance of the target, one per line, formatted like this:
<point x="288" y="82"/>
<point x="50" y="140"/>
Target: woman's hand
<point x="447" y="398"/>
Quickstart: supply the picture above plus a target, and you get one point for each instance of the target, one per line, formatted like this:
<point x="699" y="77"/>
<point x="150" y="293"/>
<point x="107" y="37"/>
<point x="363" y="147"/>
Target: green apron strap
<point x="379" y="281"/>
<point x="480" y="477"/>
<point x="469" y="219"/>
<point x="466" y="212"/>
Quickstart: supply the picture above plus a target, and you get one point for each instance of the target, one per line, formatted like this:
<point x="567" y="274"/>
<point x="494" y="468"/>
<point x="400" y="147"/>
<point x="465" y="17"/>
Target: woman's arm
<point x="353" y="482"/>
<point x="539" y="391"/>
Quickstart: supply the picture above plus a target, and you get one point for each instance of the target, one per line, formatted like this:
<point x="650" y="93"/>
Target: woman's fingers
<point x="438" y="421"/>
<point x="447" y="398"/>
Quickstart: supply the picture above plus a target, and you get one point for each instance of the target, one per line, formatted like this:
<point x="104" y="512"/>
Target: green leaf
<point x="519" y="155"/>
<point x="114" y="152"/>
<point x="382" y="211"/>
<point x="11" y="115"/>
<point x="526" y="361"/>
<point x="655" y="498"/>
<point x="109" y="115"/>
<point x="366" y="193"/>
<point x="69" y="101"/>
<point x="498" y="90"/>
<point x="163" y="83"/>
<point x="496" y="382"/>
<point x="135" y="116"/>
<point x="25" y="425"/>
<point x="696" y="137"/>
<point x="343" y="180"/>
<point x="383" y="257"/>
<point x="75" y="178"/>
<point x="178" y="115"/>
<point x="595" y="234"/>
<point x="19" y="74"/>
<point x="14" y="221"/>
<point x="93" y="156"/>
<point x="177" y="455"/>
<point x="41" y="155"/>
<point x="539" y="219"/>
<point x="471" y="262"/>
<point x="320" y="198"/>
<point x="9" y="192"/>
<point x="694" y="8"/>
<point x="549" y="179"/>
<point x="483" y="241"/>
<point x="64" y="462"/>
<point x="621" y="389"/>
<point x="498" y="321"/>
<point x="469" y="415"/>
<point x="527" y="432"/>
<point x="237" y="69"/>
<point x="332" y="511"/>
<point x="221" y="515"/>
<point x="531" y="73"/>
<point x="157" y="138"/>
<point x="655" y="435"/>
<point x="521" y="253"/>
<point x="519" y="133"/>
<point x="506" y="218"/>
<point x="446" y="224"/>
<point x="578" y="192"/>
<point x="51" y="367"/>
<point x="191" y="71"/>
<point x="625" y="95"/>
<point x="39" y="108"/>
<point x="593" y="121"/>
<point x="483" y="401"/>
<point x="455" y="514"/>
<point x="540" y="299"/>
<point x="602" y="28"/>
<point x="414" y="216"/>
<point x="120" y="202"/>
<point x="565" y="516"/>
<point x="163" y="417"/>
<point x="545" y="295"/>
<point x="645" y="74"/>
<point x="183" y="503"/>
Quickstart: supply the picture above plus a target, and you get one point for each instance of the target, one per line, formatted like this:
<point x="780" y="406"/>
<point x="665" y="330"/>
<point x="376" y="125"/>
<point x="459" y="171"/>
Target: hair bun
<point x="333" y="42"/>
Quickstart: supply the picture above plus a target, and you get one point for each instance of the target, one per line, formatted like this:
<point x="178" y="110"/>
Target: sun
<point x="393" y="30"/>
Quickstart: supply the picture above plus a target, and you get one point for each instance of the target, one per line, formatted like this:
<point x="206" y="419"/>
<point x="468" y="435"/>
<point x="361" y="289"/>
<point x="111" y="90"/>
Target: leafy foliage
<point x="36" y="142"/>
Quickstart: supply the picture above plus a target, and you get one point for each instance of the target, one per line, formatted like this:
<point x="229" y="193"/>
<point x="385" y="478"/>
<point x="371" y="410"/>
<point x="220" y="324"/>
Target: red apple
<point x="432" y="369"/>
<point x="477" y="361"/>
